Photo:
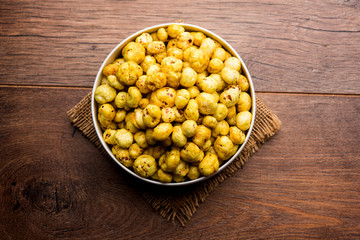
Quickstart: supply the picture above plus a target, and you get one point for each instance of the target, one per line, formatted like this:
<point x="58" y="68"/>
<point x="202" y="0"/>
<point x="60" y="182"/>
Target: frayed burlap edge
<point x="182" y="207"/>
<point x="80" y="116"/>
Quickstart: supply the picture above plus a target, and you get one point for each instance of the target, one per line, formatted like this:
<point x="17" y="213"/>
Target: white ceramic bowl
<point x="116" y="52"/>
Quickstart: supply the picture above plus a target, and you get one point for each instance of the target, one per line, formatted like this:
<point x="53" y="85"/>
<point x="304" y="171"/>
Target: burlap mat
<point x="182" y="202"/>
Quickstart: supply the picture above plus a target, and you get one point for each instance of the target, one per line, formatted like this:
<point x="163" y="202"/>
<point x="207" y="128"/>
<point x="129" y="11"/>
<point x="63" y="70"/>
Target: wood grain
<point x="293" y="46"/>
<point x="303" y="183"/>
<point x="45" y="163"/>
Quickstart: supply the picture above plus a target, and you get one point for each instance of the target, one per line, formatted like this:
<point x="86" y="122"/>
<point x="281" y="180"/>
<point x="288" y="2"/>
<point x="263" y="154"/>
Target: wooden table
<point x="304" y="183"/>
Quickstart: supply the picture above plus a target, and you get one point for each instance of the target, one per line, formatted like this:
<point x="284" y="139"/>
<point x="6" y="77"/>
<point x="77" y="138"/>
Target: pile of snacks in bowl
<point x="174" y="105"/>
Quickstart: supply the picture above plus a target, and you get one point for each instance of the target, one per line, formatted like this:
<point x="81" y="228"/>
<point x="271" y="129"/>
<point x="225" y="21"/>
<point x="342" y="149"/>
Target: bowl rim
<point x="114" y="54"/>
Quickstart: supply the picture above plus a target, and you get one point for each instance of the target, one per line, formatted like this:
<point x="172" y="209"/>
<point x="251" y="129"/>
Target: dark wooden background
<point x="304" y="57"/>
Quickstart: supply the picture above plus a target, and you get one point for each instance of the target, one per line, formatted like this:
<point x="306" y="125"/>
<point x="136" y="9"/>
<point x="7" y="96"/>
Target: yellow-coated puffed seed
<point x="189" y="128"/>
<point x="208" y="46"/>
<point x="221" y="112"/>
<point x="107" y="111"/>
<point x="128" y="73"/>
<point x="134" y="51"/>
<point x="109" y="136"/>
<point x="170" y="160"/>
<point x="182" y="98"/>
<point x="222" y="128"/>
<point x="184" y="40"/>
<point x="230" y="76"/>
<point x="152" y="115"/>
<point x="223" y="147"/>
<point x="175" y="30"/>
<point x="243" y="120"/>
<point x="162" y="176"/>
<point x="190" y="152"/>
<point x="215" y="65"/>
<point x="135" y="151"/>
<point x="210" y="121"/>
<point x="162" y="34"/>
<point x="209" y="165"/>
<point x="236" y="135"/>
<point x="208" y="84"/>
<point x="133" y="97"/>
<point x="198" y="38"/>
<point x="198" y="60"/>
<point x="230" y="96"/>
<point x="114" y="82"/>
<point x="120" y="100"/>
<point x="233" y="63"/>
<point x="162" y="131"/>
<point x="193" y="173"/>
<point x="122" y="155"/>
<point x="168" y="115"/>
<point x="120" y="115"/>
<point x="110" y="69"/>
<point x="145" y="166"/>
<point x="144" y="39"/>
<point x="206" y="103"/>
<point x="244" y="83"/>
<point x="188" y="77"/>
<point x="140" y="139"/>
<point x="123" y="138"/>
<point x="244" y="103"/>
<point x="147" y="63"/>
<point x="156" y="47"/>
<point x="194" y="91"/>
<point x="192" y="110"/>
<point x="160" y="56"/>
<point x="202" y="135"/>
<point x="175" y="52"/>
<point x="181" y="169"/>
<point x="178" y="138"/>
<point x="219" y="53"/>
<point x="105" y="93"/>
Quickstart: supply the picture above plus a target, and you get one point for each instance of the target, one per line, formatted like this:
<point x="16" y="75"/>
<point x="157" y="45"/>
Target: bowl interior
<point x="116" y="52"/>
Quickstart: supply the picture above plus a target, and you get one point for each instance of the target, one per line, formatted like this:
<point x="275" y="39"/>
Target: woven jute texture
<point x="182" y="202"/>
